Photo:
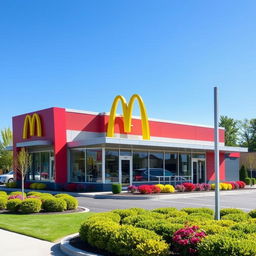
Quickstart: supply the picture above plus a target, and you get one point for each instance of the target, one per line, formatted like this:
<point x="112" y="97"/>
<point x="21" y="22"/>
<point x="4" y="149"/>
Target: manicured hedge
<point x="3" y="202"/>
<point x="71" y="201"/>
<point x="54" y="205"/>
<point x="31" y="205"/>
<point x="134" y="232"/>
<point x="13" y="205"/>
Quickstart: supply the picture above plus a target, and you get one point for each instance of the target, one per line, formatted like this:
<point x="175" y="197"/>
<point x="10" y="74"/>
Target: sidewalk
<point x="13" y="244"/>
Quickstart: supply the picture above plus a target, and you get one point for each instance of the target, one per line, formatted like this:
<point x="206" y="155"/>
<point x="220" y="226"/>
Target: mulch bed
<point x="79" y="244"/>
<point x="79" y="209"/>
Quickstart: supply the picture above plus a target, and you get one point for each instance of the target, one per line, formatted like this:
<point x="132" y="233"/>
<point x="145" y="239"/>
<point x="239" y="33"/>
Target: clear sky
<point x="81" y="54"/>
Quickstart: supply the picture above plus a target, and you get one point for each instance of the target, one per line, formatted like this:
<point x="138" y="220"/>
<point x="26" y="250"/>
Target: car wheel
<point x="10" y="180"/>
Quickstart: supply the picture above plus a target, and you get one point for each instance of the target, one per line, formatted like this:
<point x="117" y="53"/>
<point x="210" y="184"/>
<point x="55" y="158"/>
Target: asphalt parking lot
<point x="245" y="200"/>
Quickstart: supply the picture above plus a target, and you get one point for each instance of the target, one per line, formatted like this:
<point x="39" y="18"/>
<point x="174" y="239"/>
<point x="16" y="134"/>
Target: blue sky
<point x="81" y="54"/>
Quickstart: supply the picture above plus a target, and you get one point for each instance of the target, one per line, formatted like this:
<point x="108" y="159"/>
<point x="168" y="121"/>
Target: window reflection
<point x="140" y="166"/>
<point x="93" y="165"/>
<point x="77" y="157"/>
<point x="111" y="166"/>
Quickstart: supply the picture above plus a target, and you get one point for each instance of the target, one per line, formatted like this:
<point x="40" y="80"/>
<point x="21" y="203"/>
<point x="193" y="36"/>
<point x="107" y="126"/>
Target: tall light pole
<point x="216" y="153"/>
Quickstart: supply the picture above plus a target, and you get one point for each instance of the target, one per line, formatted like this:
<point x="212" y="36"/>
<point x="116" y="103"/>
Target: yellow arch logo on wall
<point x="127" y="115"/>
<point x="30" y="123"/>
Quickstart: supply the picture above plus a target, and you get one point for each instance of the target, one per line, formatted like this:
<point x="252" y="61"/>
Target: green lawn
<point x="50" y="227"/>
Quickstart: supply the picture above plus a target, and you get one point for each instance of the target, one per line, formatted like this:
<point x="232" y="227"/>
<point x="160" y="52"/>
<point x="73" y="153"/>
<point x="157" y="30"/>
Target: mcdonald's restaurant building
<point x="94" y="150"/>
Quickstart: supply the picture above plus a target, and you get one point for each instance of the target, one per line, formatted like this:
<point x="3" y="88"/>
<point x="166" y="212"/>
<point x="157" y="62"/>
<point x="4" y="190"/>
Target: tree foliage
<point x="248" y="134"/>
<point x="6" y="157"/>
<point x="231" y="130"/>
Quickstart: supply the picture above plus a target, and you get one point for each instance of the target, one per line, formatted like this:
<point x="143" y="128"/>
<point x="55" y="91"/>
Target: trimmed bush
<point x="123" y="213"/>
<point x="13" y="205"/>
<point x="243" y="174"/>
<point x="252" y="213"/>
<point x="247" y="181"/>
<point x="17" y="193"/>
<point x="198" y="210"/>
<point x="213" y="229"/>
<point x="236" y="217"/>
<point x="106" y="216"/>
<point x="3" y="193"/>
<point x="41" y="186"/>
<point x="245" y="228"/>
<point x="253" y="181"/>
<point x="225" y="245"/>
<point x="3" y="202"/>
<point x="34" y="193"/>
<point x="165" y="210"/>
<point x="226" y="211"/>
<point x="71" y="201"/>
<point x="30" y="205"/>
<point x="133" y="241"/>
<point x="168" y="189"/>
<point x="11" y="184"/>
<point x="116" y="188"/>
<point x="54" y="205"/>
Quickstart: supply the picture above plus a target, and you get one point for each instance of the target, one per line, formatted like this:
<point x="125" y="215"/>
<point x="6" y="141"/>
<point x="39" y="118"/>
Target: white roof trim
<point x="33" y="143"/>
<point x="138" y="117"/>
<point x="148" y="143"/>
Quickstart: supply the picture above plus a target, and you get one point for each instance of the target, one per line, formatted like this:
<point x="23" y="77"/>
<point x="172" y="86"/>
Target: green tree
<point x="23" y="164"/>
<point x="248" y="134"/>
<point x="231" y="130"/>
<point x="243" y="174"/>
<point x="6" y="157"/>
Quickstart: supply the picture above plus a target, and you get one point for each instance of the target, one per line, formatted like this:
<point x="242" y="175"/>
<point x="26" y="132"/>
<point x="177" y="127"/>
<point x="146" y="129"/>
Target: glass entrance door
<point x="198" y="168"/>
<point x="125" y="170"/>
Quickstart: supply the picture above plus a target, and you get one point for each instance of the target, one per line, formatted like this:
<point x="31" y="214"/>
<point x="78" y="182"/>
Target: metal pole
<point x="216" y="153"/>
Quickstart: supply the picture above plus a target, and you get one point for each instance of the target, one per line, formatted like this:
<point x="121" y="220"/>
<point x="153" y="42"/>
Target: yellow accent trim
<point x="127" y="115"/>
<point x="29" y="123"/>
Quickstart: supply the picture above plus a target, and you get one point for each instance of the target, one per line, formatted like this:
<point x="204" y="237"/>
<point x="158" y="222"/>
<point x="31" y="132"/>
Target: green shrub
<point x="213" y="229"/>
<point x="54" y="205"/>
<point x="198" y="210"/>
<point x="140" y="210"/>
<point x="116" y="188"/>
<point x="3" y="202"/>
<point x="247" y="181"/>
<point x="243" y="173"/>
<point x="226" y="211"/>
<point x="236" y="217"/>
<point x="253" y="181"/>
<point x="34" y="193"/>
<point x="127" y="240"/>
<point x="11" y="184"/>
<point x="160" y="227"/>
<point x="99" y="233"/>
<point x="245" y="228"/>
<point x="123" y="213"/>
<point x="201" y="215"/>
<point x="226" y="246"/>
<point x="13" y="205"/>
<point x="106" y="216"/>
<point x="46" y="197"/>
<point x="61" y="195"/>
<point x="132" y="220"/>
<point x="252" y="213"/>
<point x="3" y="193"/>
<point x="165" y="210"/>
<point x="33" y="185"/>
<point x="17" y="193"/>
<point x="72" y="203"/>
<point x="31" y="205"/>
<point x="41" y="186"/>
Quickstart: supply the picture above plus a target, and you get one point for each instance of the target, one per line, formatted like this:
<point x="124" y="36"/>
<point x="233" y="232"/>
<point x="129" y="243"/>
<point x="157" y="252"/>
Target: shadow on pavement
<point x="55" y="250"/>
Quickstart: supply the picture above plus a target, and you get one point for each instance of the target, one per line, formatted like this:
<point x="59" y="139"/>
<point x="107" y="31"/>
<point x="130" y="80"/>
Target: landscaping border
<point x="70" y="250"/>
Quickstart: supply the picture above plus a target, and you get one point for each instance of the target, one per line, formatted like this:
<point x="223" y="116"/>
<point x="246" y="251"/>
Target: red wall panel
<point x="210" y="166"/>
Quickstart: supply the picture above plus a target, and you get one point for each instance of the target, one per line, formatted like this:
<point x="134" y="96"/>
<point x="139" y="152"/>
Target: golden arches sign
<point x="127" y="115"/>
<point x="30" y="123"/>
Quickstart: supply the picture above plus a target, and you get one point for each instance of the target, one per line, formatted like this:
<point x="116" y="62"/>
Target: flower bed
<point x="184" y="187"/>
<point x="168" y="231"/>
<point x="34" y="202"/>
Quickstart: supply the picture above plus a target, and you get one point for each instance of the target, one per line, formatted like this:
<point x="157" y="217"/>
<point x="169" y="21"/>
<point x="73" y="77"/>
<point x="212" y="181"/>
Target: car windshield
<point x="10" y="173"/>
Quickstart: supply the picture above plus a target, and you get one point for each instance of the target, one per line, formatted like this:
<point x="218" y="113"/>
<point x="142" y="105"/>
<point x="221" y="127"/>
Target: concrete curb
<point x="68" y="249"/>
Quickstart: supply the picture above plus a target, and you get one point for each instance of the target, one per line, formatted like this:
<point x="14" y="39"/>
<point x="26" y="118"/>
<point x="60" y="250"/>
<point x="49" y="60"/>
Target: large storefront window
<point x="111" y="166"/>
<point x="156" y="166"/>
<point x="77" y="172"/>
<point x="140" y="166"/>
<point x="171" y="164"/>
<point x="41" y="167"/>
<point x="93" y="165"/>
<point x="185" y="164"/>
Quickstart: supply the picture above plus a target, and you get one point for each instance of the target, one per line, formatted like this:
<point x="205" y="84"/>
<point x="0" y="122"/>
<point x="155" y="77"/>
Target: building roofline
<point x="138" y="117"/>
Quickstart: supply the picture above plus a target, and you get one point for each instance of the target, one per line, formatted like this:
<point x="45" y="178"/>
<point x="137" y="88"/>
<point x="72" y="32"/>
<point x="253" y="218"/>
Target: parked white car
<point x="6" y="178"/>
